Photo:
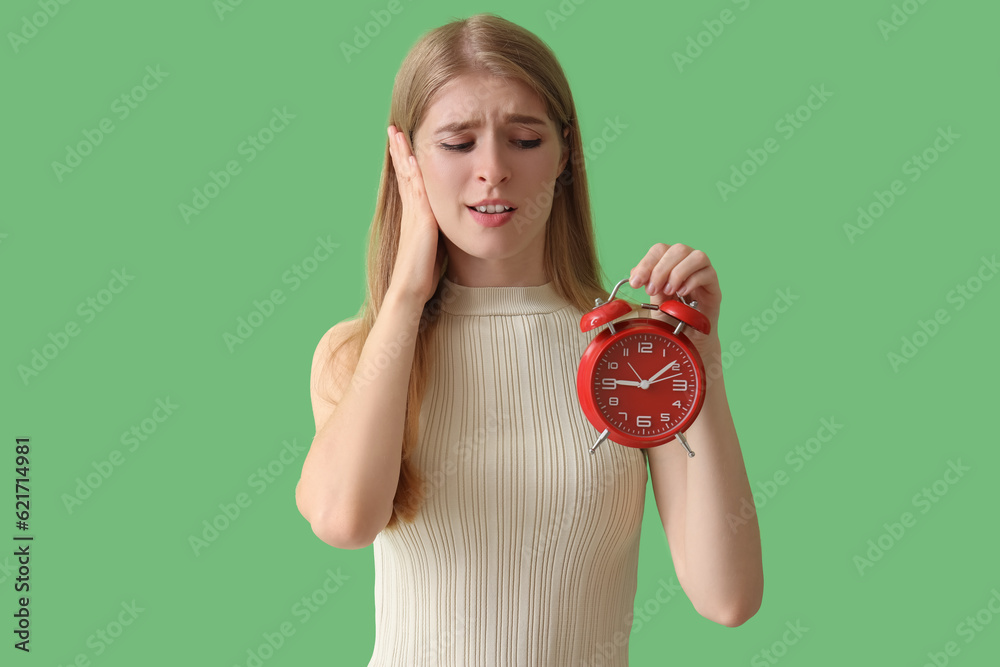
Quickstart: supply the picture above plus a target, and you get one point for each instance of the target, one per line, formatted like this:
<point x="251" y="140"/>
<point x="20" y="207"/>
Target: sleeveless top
<point x="525" y="550"/>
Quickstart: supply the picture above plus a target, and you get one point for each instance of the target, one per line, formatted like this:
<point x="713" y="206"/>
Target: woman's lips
<point x="491" y="219"/>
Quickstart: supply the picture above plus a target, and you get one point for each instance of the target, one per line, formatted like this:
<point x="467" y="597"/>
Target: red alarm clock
<point x="641" y="381"/>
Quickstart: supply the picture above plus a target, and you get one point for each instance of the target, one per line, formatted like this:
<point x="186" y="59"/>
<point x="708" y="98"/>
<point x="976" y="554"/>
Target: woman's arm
<point x="350" y="474"/>
<point x="708" y="515"/>
<point x="705" y="502"/>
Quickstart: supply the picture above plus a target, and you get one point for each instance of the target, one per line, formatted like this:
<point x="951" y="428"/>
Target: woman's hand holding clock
<point x="680" y="269"/>
<point x="654" y="350"/>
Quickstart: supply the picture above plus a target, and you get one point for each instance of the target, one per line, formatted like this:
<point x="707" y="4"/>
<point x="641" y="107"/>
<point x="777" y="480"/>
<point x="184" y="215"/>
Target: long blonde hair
<point x="484" y="43"/>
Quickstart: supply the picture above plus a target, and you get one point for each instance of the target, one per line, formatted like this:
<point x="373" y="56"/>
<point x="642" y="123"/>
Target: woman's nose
<point x="492" y="166"/>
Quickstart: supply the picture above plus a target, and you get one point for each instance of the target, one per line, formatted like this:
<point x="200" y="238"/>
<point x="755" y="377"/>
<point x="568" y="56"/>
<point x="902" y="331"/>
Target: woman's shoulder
<point x="338" y="333"/>
<point x="328" y="371"/>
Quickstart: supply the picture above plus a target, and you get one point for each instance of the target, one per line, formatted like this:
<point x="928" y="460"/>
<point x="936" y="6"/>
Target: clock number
<point x="645" y="348"/>
<point x="613" y="401"/>
<point x="608" y="383"/>
<point x="664" y="416"/>
<point x="676" y="404"/>
<point x="680" y="385"/>
<point x="612" y="365"/>
<point x="643" y="421"/>
<point x="624" y="413"/>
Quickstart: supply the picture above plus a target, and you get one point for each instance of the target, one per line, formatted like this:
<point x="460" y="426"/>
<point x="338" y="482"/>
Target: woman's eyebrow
<point x="509" y="119"/>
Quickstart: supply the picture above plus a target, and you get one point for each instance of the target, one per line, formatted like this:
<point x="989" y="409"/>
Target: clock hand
<point x="662" y="371"/>
<point x="662" y="379"/>
<point x="635" y="371"/>
<point x="629" y="383"/>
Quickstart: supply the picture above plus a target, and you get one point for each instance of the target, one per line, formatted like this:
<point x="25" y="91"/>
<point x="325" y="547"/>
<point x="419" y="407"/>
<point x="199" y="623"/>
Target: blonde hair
<point x="484" y="43"/>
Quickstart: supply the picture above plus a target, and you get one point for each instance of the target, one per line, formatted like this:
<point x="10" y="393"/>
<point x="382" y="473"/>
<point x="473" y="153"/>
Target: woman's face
<point x="481" y="138"/>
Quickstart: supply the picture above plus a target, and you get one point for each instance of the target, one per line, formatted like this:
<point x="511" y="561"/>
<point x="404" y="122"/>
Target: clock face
<point x="645" y="384"/>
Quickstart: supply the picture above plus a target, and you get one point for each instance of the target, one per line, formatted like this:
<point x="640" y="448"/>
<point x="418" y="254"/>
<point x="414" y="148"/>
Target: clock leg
<point x="600" y="439"/>
<point x="680" y="436"/>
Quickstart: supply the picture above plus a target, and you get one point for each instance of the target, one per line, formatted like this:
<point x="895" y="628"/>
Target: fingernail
<point x="669" y="289"/>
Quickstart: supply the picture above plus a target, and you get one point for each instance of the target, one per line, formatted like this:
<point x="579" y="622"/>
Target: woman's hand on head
<point x="667" y="270"/>
<point x="421" y="250"/>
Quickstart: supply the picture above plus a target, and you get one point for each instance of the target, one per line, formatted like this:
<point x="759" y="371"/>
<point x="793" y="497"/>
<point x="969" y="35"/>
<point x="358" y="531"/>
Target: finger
<point x="409" y="160"/>
<point x="662" y="272"/>
<point x="704" y="277"/>
<point x="406" y="166"/>
<point x="393" y="152"/>
<point x="404" y="146"/>
<point x="401" y="161"/>
<point x="639" y="275"/>
<point x="694" y="261"/>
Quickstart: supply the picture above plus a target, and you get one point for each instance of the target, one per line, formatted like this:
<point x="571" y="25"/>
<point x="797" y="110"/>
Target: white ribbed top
<point x="526" y="549"/>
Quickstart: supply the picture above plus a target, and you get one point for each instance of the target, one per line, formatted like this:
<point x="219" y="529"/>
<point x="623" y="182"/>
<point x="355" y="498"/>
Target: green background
<point x="163" y="335"/>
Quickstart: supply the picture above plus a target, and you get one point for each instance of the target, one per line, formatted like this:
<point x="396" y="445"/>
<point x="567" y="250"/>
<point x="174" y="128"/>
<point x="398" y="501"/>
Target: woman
<point x="449" y="435"/>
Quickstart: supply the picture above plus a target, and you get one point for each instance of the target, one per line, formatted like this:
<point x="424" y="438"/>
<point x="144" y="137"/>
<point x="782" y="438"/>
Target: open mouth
<point x="491" y="209"/>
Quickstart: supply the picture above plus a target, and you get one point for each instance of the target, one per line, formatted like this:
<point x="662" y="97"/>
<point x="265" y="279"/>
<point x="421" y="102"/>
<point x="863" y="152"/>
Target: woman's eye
<point x="532" y="143"/>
